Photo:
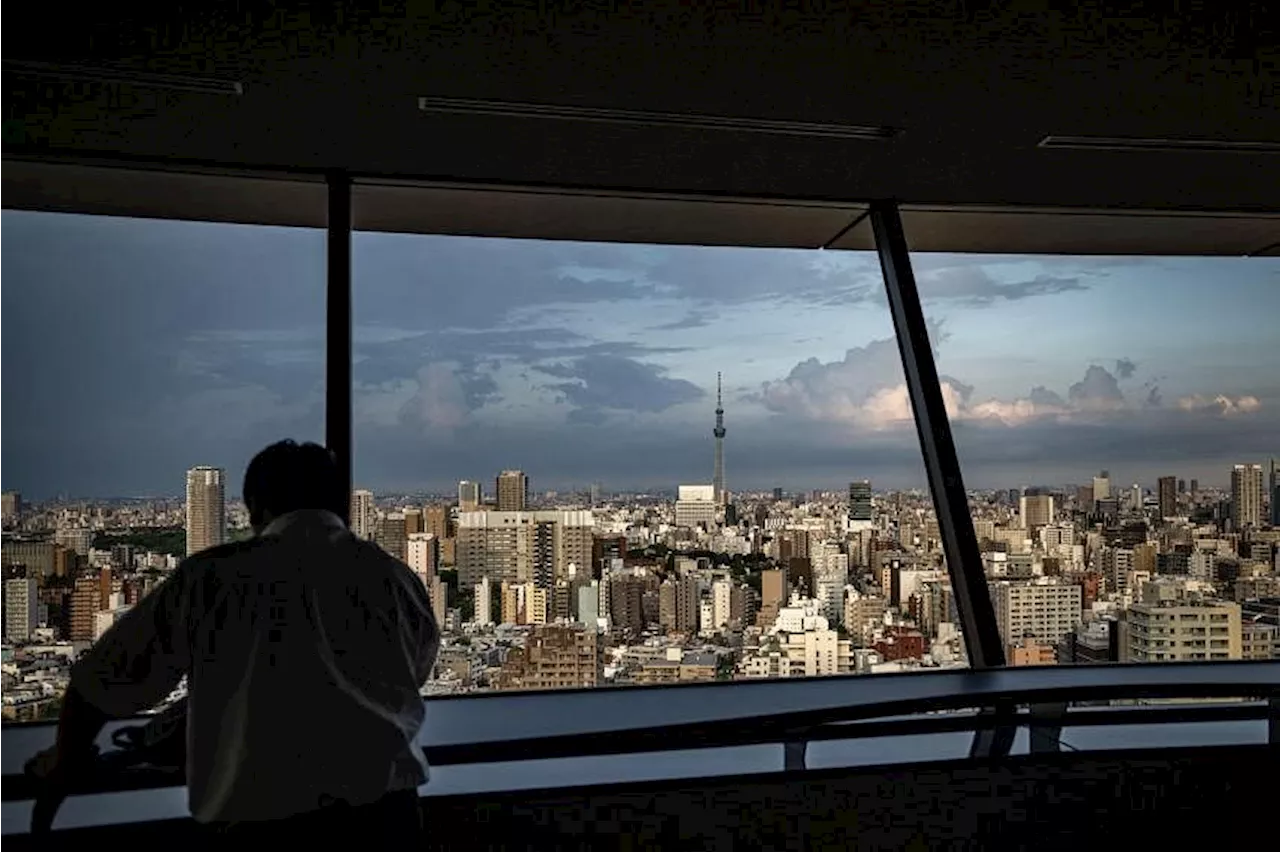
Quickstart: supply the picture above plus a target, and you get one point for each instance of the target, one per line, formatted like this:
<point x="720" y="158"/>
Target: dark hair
<point x="287" y="476"/>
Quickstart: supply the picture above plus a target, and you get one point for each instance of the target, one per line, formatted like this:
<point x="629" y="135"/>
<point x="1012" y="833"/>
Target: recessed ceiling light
<point x="123" y="77"/>
<point x="692" y="121"/>
<point x="1180" y="146"/>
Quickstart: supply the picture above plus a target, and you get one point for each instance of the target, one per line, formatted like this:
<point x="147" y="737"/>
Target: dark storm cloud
<point x="115" y="379"/>
<point x="1125" y="368"/>
<point x="607" y="382"/>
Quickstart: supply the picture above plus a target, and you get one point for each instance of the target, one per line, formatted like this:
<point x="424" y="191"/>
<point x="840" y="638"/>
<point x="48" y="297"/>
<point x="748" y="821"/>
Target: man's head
<point x="288" y="476"/>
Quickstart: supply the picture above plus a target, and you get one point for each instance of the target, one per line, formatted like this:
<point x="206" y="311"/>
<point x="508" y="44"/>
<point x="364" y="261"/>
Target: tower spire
<point x="719" y="432"/>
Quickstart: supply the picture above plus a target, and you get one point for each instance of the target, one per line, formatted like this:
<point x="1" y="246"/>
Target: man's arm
<point x="144" y="655"/>
<point x="133" y="667"/>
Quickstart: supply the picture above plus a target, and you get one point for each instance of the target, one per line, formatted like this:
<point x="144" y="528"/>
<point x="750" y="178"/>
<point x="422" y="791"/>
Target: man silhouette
<point x="304" y="649"/>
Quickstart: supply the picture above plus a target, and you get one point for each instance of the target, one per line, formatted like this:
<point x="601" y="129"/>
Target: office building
<point x="1102" y="486"/>
<point x="1246" y="496"/>
<point x="773" y="595"/>
<point x="1167" y="495"/>
<point x="696" y="505"/>
<point x="206" y="509"/>
<point x="468" y="496"/>
<point x="1036" y="511"/>
<point x="39" y="557"/>
<point x="860" y="504"/>
<point x="517" y="547"/>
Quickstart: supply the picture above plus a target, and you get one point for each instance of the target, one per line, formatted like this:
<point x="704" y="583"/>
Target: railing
<point x="990" y="705"/>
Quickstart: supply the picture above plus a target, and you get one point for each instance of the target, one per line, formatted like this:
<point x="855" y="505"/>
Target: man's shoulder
<point x="222" y="552"/>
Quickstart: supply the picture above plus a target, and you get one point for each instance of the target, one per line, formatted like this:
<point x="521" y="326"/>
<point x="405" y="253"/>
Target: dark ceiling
<point x="972" y="87"/>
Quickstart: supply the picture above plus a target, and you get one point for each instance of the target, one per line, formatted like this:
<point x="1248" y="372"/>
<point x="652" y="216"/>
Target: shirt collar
<point x="303" y="518"/>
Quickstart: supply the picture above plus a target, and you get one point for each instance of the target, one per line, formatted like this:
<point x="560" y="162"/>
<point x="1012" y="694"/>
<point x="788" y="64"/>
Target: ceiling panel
<point x="164" y="194"/>
<point x="565" y="215"/>
<point x="1041" y="231"/>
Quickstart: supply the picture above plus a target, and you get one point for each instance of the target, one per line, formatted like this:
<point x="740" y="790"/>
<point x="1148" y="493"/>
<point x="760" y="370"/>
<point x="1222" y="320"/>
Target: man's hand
<point x="55" y="770"/>
<point x="54" y="765"/>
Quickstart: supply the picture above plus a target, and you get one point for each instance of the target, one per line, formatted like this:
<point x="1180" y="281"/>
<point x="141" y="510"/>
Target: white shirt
<point x="304" y="647"/>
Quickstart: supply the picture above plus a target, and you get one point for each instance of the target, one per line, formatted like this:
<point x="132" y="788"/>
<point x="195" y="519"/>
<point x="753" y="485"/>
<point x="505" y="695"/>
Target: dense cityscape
<point x="550" y="590"/>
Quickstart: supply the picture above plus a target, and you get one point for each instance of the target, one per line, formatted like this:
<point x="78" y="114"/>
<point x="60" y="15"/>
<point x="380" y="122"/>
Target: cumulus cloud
<point x="865" y="390"/>
<point x="440" y="401"/>
<point x="1220" y="404"/>
<point x="1097" y="391"/>
<point x="1125" y="368"/>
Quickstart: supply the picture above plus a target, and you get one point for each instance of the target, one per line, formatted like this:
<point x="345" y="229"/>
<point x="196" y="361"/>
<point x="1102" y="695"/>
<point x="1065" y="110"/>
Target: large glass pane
<point x="1117" y="420"/>
<point x="535" y="433"/>
<point x="144" y="363"/>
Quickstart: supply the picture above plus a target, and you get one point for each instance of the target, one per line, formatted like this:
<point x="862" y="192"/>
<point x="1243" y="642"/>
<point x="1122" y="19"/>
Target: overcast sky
<point x="135" y="349"/>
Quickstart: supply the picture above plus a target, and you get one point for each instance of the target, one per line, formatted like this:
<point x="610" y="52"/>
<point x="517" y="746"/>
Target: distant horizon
<point x="450" y="492"/>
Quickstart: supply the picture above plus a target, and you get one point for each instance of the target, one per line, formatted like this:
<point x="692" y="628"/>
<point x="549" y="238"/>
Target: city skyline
<point x="596" y="363"/>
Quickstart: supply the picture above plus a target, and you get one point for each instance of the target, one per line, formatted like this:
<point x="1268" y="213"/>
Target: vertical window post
<point x="337" y="394"/>
<point x="959" y="543"/>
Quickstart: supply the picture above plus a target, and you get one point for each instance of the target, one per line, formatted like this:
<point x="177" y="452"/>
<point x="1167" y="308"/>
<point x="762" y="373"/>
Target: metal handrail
<point x="813" y="709"/>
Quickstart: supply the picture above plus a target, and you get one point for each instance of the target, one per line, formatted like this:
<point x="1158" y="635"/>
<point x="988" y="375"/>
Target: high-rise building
<point x="422" y="552"/>
<point x="773" y="595"/>
<point x="436" y="521"/>
<point x="206" y="508"/>
<point x="513" y="491"/>
<point x="1036" y="511"/>
<point x="390" y="535"/>
<point x="1102" y="486"/>
<point x="484" y="602"/>
<point x="1167" y="492"/>
<point x="1246" y="496"/>
<point x="468" y="496"/>
<point x="10" y="506"/>
<point x="717" y="479"/>
<point x="413" y="521"/>
<point x="86" y="601"/>
<point x="504" y="546"/>
<point x="21" y="608"/>
<point x="362" y="514"/>
<point x="860" y="503"/>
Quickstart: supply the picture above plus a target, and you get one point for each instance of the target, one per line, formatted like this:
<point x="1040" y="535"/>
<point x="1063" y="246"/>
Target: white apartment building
<point x="363" y="516"/>
<point x="1040" y="609"/>
<point x="21" y="608"/>
<point x="422" y="553"/>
